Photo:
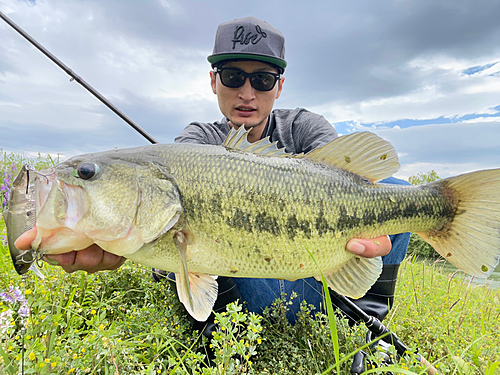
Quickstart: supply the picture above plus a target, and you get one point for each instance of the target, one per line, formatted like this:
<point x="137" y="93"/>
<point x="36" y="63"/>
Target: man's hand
<point x="370" y="248"/>
<point x="91" y="259"/>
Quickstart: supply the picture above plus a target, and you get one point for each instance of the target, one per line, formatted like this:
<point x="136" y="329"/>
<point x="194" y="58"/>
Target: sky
<point x="423" y="74"/>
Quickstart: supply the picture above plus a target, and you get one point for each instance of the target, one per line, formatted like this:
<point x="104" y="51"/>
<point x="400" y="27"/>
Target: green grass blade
<point x="331" y="317"/>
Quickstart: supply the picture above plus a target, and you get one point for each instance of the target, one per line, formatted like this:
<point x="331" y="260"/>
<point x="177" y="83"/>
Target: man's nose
<point x="247" y="92"/>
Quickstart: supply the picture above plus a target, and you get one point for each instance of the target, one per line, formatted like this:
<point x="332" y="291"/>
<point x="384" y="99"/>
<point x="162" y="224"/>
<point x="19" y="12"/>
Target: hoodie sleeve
<point x="302" y="131"/>
<point x="204" y="133"/>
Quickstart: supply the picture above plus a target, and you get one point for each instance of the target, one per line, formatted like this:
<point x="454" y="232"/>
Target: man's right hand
<point x="91" y="259"/>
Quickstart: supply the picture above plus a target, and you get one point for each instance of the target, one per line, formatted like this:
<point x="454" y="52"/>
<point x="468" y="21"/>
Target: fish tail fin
<point x="471" y="241"/>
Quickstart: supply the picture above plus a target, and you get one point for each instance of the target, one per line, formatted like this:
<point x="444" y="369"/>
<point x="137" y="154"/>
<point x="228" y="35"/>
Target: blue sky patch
<point x="346" y="127"/>
<point x="477" y="69"/>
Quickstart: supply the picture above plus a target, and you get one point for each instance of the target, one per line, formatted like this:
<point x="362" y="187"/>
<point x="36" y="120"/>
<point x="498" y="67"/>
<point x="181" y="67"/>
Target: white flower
<point x="5" y="319"/>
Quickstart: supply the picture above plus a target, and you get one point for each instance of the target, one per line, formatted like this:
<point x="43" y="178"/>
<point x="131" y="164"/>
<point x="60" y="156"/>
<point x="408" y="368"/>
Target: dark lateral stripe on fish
<point x="291" y="226"/>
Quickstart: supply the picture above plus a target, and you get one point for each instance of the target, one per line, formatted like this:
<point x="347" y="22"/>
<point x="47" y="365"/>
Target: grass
<point x="120" y="322"/>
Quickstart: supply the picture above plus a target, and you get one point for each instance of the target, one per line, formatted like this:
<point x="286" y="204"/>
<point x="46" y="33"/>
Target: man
<point x="248" y="63"/>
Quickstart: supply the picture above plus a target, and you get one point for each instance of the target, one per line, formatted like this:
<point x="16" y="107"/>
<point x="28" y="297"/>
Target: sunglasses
<point x="234" y="78"/>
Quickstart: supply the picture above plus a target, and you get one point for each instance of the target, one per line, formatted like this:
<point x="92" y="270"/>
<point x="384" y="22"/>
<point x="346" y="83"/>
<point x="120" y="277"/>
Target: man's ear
<point x="212" y="82"/>
<point x="280" y="87"/>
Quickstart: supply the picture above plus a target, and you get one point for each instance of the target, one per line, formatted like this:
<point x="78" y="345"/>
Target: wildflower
<point x="24" y="310"/>
<point x="5" y="318"/>
<point x="13" y="295"/>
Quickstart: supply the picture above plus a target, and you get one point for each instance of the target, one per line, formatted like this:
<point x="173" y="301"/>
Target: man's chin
<point x="237" y="124"/>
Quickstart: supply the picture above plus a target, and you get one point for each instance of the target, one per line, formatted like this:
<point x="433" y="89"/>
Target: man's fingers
<point x="370" y="248"/>
<point x="65" y="259"/>
<point x="112" y="261"/>
<point x="92" y="259"/>
<point x="24" y="241"/>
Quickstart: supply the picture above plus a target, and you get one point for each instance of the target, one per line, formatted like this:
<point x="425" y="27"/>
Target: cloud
<point x="449" y="149"/>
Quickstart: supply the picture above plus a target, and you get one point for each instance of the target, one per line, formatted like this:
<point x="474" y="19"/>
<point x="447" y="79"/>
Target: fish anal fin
<point x="197" y="292"/>
<point x="365" y="154"/>
<point x="355" y="277"/>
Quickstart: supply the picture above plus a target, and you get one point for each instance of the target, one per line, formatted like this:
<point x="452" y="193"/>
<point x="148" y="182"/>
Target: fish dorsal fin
<point x="196" y="291"/>
<point x="365" y="154"/>
<point x="238" y="140"/>
<point x="355" y="277"/>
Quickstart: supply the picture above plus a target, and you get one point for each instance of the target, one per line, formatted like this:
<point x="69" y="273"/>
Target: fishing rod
<point x="377" y="329"/>
<point x="78" y="79"/>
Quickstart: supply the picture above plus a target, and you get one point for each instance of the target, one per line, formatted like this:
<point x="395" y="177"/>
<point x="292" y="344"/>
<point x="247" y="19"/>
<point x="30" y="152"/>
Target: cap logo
<point x="242" y="38"/>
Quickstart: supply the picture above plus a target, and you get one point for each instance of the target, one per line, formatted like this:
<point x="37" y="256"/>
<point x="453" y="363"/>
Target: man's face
<point x="245" y="105"/>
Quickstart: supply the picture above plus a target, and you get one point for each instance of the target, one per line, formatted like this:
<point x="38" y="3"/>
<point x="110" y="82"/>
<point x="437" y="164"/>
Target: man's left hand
<point x="370" y="248"/>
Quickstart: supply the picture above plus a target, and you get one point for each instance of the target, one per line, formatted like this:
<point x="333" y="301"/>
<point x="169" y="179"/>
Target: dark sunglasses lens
<point x="232" y="78"/>
<point x="235" y="78"/>
<point x="263" y="81"/>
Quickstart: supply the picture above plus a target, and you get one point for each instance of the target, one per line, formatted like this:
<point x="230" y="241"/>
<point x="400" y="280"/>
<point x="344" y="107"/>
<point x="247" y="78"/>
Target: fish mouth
<point x="59" y="208"/>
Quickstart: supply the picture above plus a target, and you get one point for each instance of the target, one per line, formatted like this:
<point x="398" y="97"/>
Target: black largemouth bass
<point x="250" y="210"/>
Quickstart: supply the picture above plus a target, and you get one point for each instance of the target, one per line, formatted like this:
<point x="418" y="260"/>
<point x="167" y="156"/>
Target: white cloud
<point x="449" y="149"/>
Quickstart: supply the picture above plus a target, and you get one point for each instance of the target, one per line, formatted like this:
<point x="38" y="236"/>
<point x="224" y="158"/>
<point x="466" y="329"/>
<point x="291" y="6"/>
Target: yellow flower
<point x="93" y="312"/>
<point x="28" y="291"/>
<point x="47" y="360"/>
<point x="31" y="356"/>
<point x="53" y="364"/>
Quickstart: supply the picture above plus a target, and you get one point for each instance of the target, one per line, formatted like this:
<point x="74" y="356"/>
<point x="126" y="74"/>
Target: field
<point x="120" y="322"/>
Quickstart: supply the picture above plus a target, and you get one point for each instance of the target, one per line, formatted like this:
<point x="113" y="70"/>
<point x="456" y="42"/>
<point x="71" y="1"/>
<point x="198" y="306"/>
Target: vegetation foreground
<point x="120" y="322"/>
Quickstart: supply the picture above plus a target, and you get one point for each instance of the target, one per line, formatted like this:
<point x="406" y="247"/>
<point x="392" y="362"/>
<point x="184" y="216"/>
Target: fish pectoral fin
<point x="355" y="277"/>
<point x="197" y="291"/>
<point x="365" y="154"/>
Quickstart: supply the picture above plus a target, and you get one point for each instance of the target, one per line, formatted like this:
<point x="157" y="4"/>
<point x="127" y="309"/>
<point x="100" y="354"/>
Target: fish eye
<point x="87" y="170"/>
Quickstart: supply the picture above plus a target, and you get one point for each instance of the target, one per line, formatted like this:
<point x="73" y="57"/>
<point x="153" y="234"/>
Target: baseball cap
<point x="249" y="38"/>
